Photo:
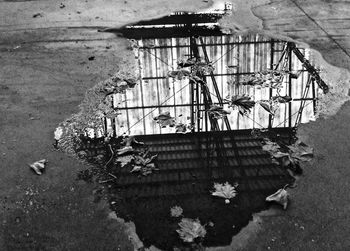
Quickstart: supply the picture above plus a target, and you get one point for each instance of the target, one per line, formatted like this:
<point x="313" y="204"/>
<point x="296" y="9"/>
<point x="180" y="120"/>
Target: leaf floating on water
<point x="124" y="160"/>
<point x="190" y="230"/>
<point x="136" y="169"/>
<point x="301" y="151"/>
<point x="281" y="197"/>
<point x="290" y="158"/>
<point x="144" y="164"/>
<point x="225" y="191"/>
<point x="176" y="211"/>
<point x="270" y="146"/>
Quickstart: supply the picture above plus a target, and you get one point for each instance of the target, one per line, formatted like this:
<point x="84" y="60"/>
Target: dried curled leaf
<point x="289" y="158"/>
<point x="38" y="166"/>
<point x="144" y="164"/>
<point x="191" y="229"/>
<point x="281" y="197"/>
<point x="301" y="151"/>
<point x="271" y="147"/>
<point x="225" y="191"/>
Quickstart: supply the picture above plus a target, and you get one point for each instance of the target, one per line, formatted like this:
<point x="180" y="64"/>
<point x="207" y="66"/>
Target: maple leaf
<point x="190" y="230"/>
<point x="225" y="191"/>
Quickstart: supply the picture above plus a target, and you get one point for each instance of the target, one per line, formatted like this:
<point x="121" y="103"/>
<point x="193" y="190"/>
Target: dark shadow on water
<point x="185" y="178"/>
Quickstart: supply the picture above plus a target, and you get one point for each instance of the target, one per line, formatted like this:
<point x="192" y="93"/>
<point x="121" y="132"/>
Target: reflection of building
<point x="163" y="42"/>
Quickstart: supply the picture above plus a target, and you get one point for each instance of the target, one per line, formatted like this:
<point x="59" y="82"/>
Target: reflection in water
<point x="233" y="58"/>
<point x="189" y="164"/>
<point x="173" y="91"/>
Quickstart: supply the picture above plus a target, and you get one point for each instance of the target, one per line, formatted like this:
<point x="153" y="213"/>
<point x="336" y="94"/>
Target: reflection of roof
<point x="182" y="160"/>
<point x="176" y="25"/>
<point x="181" y="18"/>
<point x="186" y="177"/>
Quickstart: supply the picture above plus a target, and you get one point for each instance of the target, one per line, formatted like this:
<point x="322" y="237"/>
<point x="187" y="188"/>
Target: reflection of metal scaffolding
<point x="201" y="96"/>
<point x="284" y="64"/>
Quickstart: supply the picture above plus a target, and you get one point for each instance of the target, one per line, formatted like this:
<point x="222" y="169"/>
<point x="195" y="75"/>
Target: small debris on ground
<point x="91" y="58"/>
<point x="38" y="166"/>
<point x="62" y="6"/>
<point x="37" y="15"/>
<point x="34" y="118"/>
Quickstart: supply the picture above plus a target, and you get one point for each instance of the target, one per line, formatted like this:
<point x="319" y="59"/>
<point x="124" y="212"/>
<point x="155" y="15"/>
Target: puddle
<point x="225" y="95"/>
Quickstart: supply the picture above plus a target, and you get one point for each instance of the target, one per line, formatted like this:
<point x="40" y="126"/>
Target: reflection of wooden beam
<point x="218" y="95"/>
<point x="303" y="101"/>
<point x="214" y="74"/>
<point x="182" y="19"/>
<point x="272" y="55"/>
<point x="289" y="51"/>
<point x="206" y="45"/>
<point x="173" y="32"/>
<point x="309" y="67"/>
